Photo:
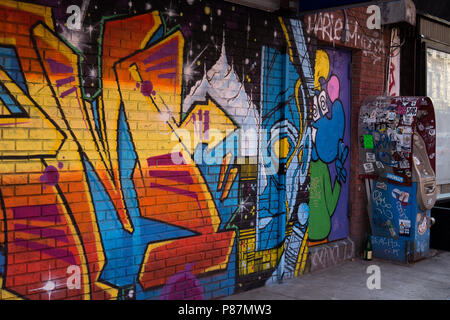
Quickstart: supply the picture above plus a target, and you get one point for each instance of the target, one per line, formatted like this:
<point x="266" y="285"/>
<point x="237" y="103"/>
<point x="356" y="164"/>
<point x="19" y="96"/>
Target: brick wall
<point x="169" y="151"/>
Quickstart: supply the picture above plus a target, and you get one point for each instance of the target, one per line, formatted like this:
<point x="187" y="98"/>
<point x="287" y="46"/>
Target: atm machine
<point x="397" y="149"/>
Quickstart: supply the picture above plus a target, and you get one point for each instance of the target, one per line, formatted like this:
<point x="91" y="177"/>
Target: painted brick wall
<point x="170" y="150"/>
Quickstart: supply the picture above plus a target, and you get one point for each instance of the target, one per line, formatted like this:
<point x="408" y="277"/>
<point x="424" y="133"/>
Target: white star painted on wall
<point x="49" y="286"/>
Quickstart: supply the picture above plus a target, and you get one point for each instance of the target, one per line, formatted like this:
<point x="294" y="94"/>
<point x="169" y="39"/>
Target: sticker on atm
<point x="394" y="177"/>
<point x="368" y="141"/>
<point x="381" y="185"/>
<point x="379" y="164"/>
<point x="404" y="130"/>
<point x="411" y="111"/>
<point x="404" y="164"/>
<point x="370" y="157"/>
<point x="391" y="116"/>
<point x="407" y="120"/>
<point x="401" y="196"/>
<point x="405" y="227"/>
<point x="368" y="167"/>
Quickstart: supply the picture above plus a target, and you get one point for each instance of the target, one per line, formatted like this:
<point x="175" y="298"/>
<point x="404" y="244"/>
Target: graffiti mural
<point x="154" y="151"/>
<point x="331" y="136"/>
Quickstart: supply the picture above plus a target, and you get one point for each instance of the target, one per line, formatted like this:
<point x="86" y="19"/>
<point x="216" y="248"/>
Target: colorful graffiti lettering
<point x="127" y="172"/>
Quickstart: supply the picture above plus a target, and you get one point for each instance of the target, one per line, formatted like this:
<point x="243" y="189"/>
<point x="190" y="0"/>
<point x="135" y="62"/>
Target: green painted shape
<point x="368" y="141"/>
<point x="323" y="199"/>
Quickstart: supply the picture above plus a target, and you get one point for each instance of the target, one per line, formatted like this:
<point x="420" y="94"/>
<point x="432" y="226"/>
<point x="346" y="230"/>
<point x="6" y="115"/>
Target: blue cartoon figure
<point x="328" y="129"/>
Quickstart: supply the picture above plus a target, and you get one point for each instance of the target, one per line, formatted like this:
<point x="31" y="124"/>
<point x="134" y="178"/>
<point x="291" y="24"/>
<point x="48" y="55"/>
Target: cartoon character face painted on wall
<point x="328" y="122"/>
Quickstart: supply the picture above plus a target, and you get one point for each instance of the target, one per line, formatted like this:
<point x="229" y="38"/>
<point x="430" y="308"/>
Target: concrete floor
<point x="428" y="279"/>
